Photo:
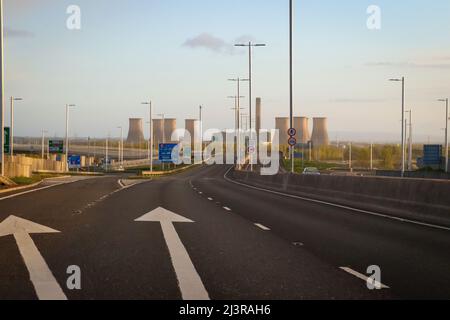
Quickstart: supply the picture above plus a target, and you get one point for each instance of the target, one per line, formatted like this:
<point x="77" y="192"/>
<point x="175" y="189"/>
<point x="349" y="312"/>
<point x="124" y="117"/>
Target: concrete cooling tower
<point x="170" y="126"/>
<point x="136" y="131"/>
<point x="283" y="125"/>
<point x="302" y="127"/>
<point x="320" y="132"/>
<point x="163" y="129"/>
<point x="193" y="126"/>
<point x="158" y="131"/>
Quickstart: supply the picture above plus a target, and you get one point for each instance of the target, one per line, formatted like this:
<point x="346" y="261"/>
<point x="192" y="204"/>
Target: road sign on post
<point x="292" y="132"/>
<point x="292" y="142"/>
<point x="166" y="151"/>
<point x="7" y="145"/>
<point x="56" y="146"/>
<point x="74" y="162"/>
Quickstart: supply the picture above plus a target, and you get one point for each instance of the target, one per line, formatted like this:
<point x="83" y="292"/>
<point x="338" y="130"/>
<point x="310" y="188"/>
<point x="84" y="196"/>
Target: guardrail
<point x="423" y="200"/>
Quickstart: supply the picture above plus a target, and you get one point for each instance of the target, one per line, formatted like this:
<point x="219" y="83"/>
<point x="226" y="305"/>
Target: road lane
<point x="345" y="239"/>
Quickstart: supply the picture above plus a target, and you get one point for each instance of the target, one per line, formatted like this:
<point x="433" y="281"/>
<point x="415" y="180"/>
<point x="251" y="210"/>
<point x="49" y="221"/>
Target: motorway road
<point x="242" y="244"/>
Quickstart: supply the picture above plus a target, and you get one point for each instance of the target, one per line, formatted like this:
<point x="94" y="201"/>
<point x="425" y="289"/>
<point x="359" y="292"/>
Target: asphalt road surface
<point x="200" y="236"/>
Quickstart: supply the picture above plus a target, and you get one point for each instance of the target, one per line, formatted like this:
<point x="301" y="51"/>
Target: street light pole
<point x="408" y="131"/>
<point x="43" y="143"/>
<point x="12" y="100"/>
<point x="2" y="93"/>
<point x="446" y="133"/>
<point x="150" y="145"/>
<point x="402" y="80"/>
<point x="67" y="134"/>
<point x="291" y="73"/>
<point x="201" y="130"/>
<point x="250" y="46"/>
<point x="238" y="108"/>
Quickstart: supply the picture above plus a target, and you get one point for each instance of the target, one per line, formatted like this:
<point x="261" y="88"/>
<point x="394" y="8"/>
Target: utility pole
<point x="201" y="130"/>
<point x="43" y="143"/>
<point x="371" y="156"/>
<point x="12" y="100"/>
<point x="106" y="153"/>
<point x="291" y="73"/>
<point x="2" y="93"/>
<point x="150" y="144"/>
<point x="446" y="133"/>
<point x="350" y="157"/>
<point x="250" y="45"/>
<point x="67" y="134"/>
<point x="408" y="129"/>
<point x="402" y="80"/>
<point x="238" y="108"/>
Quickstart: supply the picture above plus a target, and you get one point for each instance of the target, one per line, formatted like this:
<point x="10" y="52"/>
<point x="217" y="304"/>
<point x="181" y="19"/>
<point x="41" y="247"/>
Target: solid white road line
<point x="380" y="215"/>
<point x="361" y="276"/>
<point x="34" y="190"/>
<point x="262" y="227"/>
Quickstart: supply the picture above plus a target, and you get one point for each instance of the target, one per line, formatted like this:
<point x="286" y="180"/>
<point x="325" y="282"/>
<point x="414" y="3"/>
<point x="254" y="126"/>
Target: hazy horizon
<point x="180" y="55"/>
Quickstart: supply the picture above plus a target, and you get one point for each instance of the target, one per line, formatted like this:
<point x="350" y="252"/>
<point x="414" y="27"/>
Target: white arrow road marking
<point x="190" y="283"/>
<point x="45" y="284"/>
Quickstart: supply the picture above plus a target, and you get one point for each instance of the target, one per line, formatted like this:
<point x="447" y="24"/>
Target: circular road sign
<point x="292" y="142"/>
<point x="292" y="132"/>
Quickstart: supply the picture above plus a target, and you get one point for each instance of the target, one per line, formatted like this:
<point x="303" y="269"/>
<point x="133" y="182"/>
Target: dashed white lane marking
<point x="350" y="209"/>
<point x="210" y="199"/>
<point x="262" y="227"/>
<point x="365" y="278"/>
<point x="200" y="192"/>
<point x="227" y="209"/>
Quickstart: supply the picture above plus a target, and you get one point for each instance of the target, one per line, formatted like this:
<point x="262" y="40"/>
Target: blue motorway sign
<point x="166" y="151"/>
<point x="74" y="162"/>
<point x="432" y="155"/>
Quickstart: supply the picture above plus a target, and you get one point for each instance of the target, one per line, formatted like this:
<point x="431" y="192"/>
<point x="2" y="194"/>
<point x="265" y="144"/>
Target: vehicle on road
<point x="311" y="171"/>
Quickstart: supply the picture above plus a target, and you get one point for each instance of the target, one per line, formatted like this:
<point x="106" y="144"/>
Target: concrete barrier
<point x="22" y="166"/>
<point x="424" y="200"/>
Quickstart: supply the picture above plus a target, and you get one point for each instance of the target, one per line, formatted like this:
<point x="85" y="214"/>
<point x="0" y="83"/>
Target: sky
<point x="180" y="54"/>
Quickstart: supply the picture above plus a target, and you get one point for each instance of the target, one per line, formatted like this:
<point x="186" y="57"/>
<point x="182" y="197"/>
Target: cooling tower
<point x="170" y="126"/>
<point x="158" y="131"/>
<point x="136" y="131"/>
<point x="193" y="126"/>
<point x="302" y="127"/>
<point x="163" y="129"/>
<point x="283" y="125"/>
<point x="258" y="115"/>
<point x="320" y="132"/>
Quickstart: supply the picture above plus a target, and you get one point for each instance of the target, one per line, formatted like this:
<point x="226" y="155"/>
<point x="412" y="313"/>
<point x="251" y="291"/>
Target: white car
<point x="311" y="171"/>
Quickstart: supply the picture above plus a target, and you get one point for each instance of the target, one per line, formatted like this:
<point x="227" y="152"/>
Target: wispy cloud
<point x="216" y="44"/>
<point x="435" y="63"/>
<point x="353" y="100"/>
<point x="16" y="33"/>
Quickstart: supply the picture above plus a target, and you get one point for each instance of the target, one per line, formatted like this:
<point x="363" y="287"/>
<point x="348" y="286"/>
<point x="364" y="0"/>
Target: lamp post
<point x="68" y="106"/>
<point x="163" y="117"/>
<point x="43" y="143"/>
<point x="446" y="133"/>
<point x="250" y="46"/>
<point x="238" y="108"/>
<point x="409" y="139"/>
<point x="2" y="93"/>
<point x="150" y="145"/>
<point x="12" y="100"/>
<point x="402" y="80"/>
<point x="201" y="130"/>
<point x="291" y="75"/>
<point x="121" y="146"/>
